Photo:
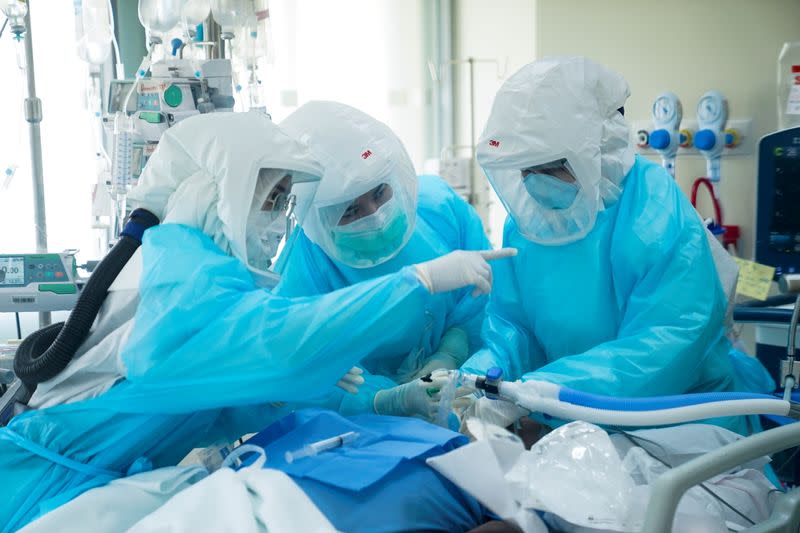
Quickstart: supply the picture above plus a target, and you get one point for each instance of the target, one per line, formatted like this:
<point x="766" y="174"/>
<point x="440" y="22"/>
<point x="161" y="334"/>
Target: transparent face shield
<point x="363" y="207"/>
<point x="369" y="229"/>
<point x="297" y="205"/>
<point x="268" y="218"/>
<point x="274" y="214"/>
<point x="552" y="202"/>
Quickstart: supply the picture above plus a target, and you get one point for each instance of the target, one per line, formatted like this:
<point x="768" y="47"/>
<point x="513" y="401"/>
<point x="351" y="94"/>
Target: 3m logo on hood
<point x="366" y="154"/>
<point x="494" y="144"/>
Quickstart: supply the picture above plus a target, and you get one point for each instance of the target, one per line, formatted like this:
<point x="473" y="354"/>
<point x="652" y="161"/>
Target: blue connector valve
<point x="490" y="383"/>
<point x="705" y="139"/>
<point x="176" y="45"/>
<point x="660" y="139"/>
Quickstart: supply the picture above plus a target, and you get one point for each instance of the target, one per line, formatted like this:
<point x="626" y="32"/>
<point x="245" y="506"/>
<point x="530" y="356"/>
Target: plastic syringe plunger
<point x="315" y="448"/>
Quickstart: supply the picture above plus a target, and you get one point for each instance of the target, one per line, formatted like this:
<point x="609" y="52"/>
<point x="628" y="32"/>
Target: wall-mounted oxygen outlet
<point x="739" y="140"/>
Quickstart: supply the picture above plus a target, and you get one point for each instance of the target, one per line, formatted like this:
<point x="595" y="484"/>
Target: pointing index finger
<point x="502" y="253"/>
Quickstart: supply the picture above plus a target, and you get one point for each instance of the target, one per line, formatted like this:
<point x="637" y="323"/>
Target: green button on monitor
<point x="173" y="96"/>
<point x="58" y="288"/>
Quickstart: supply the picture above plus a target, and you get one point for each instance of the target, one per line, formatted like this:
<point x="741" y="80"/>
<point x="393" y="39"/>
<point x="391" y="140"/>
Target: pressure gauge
<point x="712" y="110"/>
<point x="665" y="139"/>
<point x="667" y="110"/>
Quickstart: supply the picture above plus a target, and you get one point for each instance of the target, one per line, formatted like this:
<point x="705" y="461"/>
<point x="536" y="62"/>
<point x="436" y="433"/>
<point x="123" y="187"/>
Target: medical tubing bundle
<point x="568" y="404"/>
<point x="712" y="193"/>
<point x="46" y="352"/>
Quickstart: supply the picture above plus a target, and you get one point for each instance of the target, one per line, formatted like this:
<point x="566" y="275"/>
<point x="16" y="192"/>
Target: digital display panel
<point x="118" y="95"/>
<point x="784" y="228"/>
<point x="12" y="271"/>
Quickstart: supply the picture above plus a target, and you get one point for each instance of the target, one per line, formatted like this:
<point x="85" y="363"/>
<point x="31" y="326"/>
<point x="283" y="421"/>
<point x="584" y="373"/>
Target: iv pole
<point x="472" y="196"/>
<point x="33" y="115"/>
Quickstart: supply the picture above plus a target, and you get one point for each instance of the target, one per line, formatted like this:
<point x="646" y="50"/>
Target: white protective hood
<point x="358" y="153"/>
<point x="203" y="174"/>
<point x="553" y="109"/>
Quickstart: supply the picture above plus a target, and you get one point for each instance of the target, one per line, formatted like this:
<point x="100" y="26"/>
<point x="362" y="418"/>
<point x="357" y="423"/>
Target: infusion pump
<point x="37" y="282"/>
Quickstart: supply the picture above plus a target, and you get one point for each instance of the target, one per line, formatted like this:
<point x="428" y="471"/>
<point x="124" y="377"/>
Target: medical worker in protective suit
<point x="372" y="216"/>
<point x="189" y="349"/>
<point x="614" y="290"/>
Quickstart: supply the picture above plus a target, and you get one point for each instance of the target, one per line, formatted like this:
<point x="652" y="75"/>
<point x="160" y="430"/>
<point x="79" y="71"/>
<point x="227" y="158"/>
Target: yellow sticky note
<point x="754" y="279"/>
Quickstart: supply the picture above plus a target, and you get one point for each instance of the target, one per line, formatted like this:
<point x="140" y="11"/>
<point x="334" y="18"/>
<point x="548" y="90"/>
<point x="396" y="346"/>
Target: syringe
<point x="320" y="446"/>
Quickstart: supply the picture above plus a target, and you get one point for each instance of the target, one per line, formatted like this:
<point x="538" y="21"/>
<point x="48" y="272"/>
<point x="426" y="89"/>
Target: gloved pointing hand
<point x="460" y="269"/>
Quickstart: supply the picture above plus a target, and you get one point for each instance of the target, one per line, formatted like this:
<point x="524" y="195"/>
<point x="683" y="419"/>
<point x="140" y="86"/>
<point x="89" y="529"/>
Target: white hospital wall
<point x="364" y="53"/>
<point x="497" y="30"/>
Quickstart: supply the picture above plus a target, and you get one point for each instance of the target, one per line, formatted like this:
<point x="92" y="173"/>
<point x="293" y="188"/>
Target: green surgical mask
<point x="373" y="239"/>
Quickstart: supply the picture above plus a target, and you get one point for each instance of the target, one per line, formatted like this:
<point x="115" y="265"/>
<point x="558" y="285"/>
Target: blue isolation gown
<point x="445" y="223"/>
<point x="633" y="309"/>
<point x="208" y="355"/>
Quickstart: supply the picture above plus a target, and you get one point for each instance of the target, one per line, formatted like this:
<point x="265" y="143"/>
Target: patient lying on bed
<point x="378" y="482"/>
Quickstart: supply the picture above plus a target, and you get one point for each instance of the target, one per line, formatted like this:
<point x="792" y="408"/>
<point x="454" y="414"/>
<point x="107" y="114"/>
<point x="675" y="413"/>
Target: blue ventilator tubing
<point x="569" y="404"/>
<point x="654" y="403"/>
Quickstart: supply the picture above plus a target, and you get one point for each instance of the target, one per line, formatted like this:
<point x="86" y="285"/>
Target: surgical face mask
<point x="374" y="239"/>
<point x="549" y="191"/>
<point x="264" y="237"/>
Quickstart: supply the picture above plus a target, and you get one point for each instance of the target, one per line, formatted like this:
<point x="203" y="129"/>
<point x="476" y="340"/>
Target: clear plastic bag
<point x="506" y="446"/>
<point x="697" y="511"/>
<point x="479" y="467"/>
<point x="728" y="271"/>
<point x="575" y="472"/>
<point x="576" y="476"/>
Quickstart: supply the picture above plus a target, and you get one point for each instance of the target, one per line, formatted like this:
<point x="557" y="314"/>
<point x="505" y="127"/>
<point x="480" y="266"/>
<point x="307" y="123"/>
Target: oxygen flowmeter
<point x="666" y="136"/>
<point x="712" y="116"/>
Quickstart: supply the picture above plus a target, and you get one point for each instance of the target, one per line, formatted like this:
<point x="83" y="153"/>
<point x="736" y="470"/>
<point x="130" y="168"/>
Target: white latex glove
<point x="460" y="269"/>
<point x="498" y="412"/>
<point x="418" y="398"/>
<point x="351" y="380"/>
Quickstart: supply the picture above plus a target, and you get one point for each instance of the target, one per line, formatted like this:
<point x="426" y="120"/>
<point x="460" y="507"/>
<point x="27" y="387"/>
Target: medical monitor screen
<point x="12" y="271"/>
<point x="784" y="228"/>
<point x="118" y="95"/>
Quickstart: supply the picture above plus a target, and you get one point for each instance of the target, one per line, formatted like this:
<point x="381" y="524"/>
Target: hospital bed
<point x="671" y="486"/>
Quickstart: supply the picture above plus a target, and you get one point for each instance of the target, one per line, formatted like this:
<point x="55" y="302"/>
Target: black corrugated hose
<point x="46" y="352"/>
